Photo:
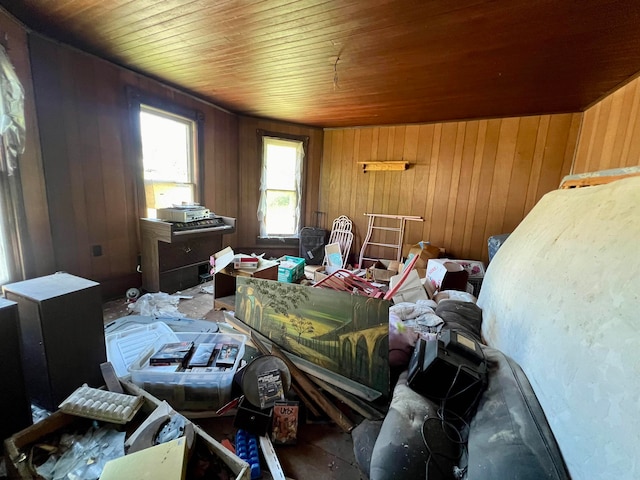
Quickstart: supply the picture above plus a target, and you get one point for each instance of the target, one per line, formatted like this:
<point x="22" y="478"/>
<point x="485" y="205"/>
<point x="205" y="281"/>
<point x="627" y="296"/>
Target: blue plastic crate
<point x="291" y="269"/>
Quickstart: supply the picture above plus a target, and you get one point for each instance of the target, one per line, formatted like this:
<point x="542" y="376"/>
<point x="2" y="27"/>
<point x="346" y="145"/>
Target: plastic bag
<point x="156" y="305"/>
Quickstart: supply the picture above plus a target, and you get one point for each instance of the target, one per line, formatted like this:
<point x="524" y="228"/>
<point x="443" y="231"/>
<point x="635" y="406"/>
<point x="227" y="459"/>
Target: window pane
<point x="165" y="195"/>
<point x="280" y="186"/>
<point x="168" y="158"/>
<point x="281" y="212"/>
<point x="281" y="167"/>
<point x="166" y="148"/>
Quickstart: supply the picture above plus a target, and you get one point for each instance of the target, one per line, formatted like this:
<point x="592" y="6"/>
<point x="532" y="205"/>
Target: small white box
<point x="245" y="262"/>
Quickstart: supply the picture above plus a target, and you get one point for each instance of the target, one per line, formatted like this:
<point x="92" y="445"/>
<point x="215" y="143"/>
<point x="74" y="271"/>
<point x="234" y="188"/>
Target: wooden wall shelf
<point x="384" y="166"/>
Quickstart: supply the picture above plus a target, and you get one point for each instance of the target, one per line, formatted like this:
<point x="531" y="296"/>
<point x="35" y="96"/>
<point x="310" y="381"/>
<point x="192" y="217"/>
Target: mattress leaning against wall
<point x="561" y="297"/>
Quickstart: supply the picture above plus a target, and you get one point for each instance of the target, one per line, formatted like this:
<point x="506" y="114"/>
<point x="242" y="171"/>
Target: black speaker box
<point x="444" y="372"/>
<point x="15" y="408"/>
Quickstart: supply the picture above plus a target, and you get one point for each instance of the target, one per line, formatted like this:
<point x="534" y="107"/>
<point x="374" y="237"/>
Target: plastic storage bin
<point x="204" y="389"/>
<point x="188" y="390"/>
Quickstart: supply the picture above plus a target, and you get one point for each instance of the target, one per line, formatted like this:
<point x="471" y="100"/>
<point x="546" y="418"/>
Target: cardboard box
<point x="443" y="274"/>
<point x="319" y="275"/>
<point x="424" y="250"/>
<point x="422" y="272"/>
<point x="166" y="461"/>
<point x="19" y="445"/>
<point x="383" y="270"/>
<point x="224" y="281"/>
<point x="310" y="271"/>
<point x="411" y="290"/>
<point x="267" y="269"/>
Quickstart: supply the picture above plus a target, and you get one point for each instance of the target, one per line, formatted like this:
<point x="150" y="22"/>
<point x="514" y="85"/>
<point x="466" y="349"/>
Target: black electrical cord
<point x="447" y="425"/>
<point x="437" y="457"/>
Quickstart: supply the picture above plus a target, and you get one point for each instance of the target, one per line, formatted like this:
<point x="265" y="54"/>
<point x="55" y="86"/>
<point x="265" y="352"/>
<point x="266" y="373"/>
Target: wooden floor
<point x="323" y="450"/>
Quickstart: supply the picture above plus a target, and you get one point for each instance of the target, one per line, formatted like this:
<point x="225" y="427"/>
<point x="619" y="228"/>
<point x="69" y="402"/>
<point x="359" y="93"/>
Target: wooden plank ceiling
<point x="336" y="63"/>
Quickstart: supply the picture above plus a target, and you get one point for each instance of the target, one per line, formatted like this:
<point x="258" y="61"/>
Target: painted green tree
<point x="275" y="297"/>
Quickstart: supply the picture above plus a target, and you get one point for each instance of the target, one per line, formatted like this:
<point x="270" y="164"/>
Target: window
<point x="168" y="158"/>
<point x="279" y="210"/>
<point x="170" y="152"/>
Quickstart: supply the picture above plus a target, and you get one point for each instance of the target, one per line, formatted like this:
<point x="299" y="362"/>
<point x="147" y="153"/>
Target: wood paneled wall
<point x="610" y="134"/>
<point x="90" y="161"/>
<point x="468" y="180"/>
<point x="248" y="187"/>
<point x="37" y="247"/>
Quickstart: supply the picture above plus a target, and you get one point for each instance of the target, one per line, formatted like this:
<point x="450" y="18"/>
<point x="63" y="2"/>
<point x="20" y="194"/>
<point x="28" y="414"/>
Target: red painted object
<point x="345" y="281"/>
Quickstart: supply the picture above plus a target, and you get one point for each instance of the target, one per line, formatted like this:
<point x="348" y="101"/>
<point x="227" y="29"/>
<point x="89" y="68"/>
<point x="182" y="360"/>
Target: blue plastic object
<point x="495" y="242"/>
<point x="247" y="450"/>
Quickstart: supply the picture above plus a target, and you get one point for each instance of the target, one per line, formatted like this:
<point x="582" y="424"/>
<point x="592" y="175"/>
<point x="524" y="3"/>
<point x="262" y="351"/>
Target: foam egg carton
<point x="102" y="405"/>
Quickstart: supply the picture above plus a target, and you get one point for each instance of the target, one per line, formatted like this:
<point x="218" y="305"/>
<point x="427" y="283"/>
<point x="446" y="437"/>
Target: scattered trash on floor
<point x="83" y="456"/>
<point x="158" y="304"/>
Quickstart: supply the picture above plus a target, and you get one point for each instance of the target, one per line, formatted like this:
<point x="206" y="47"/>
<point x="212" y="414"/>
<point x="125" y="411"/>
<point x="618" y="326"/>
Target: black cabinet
<point x="62" y="334"/>
<point x="15" y="408"/>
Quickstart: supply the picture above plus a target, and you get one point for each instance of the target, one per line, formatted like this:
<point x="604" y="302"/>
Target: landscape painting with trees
<point x="347" y="334"/>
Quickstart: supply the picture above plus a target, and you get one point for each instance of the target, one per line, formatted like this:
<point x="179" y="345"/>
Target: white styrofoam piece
<point x="124" y="347"/>
<point x="102" y="405"/>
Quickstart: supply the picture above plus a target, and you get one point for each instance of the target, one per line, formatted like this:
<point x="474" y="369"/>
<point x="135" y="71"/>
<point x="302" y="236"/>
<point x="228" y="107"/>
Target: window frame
<point x="137" y="99"/>
<point x="304" y="139"/>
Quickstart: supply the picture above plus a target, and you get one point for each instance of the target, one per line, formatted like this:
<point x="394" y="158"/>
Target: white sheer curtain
<point x="12" y="135"/>
<point x="266" y="179"/>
